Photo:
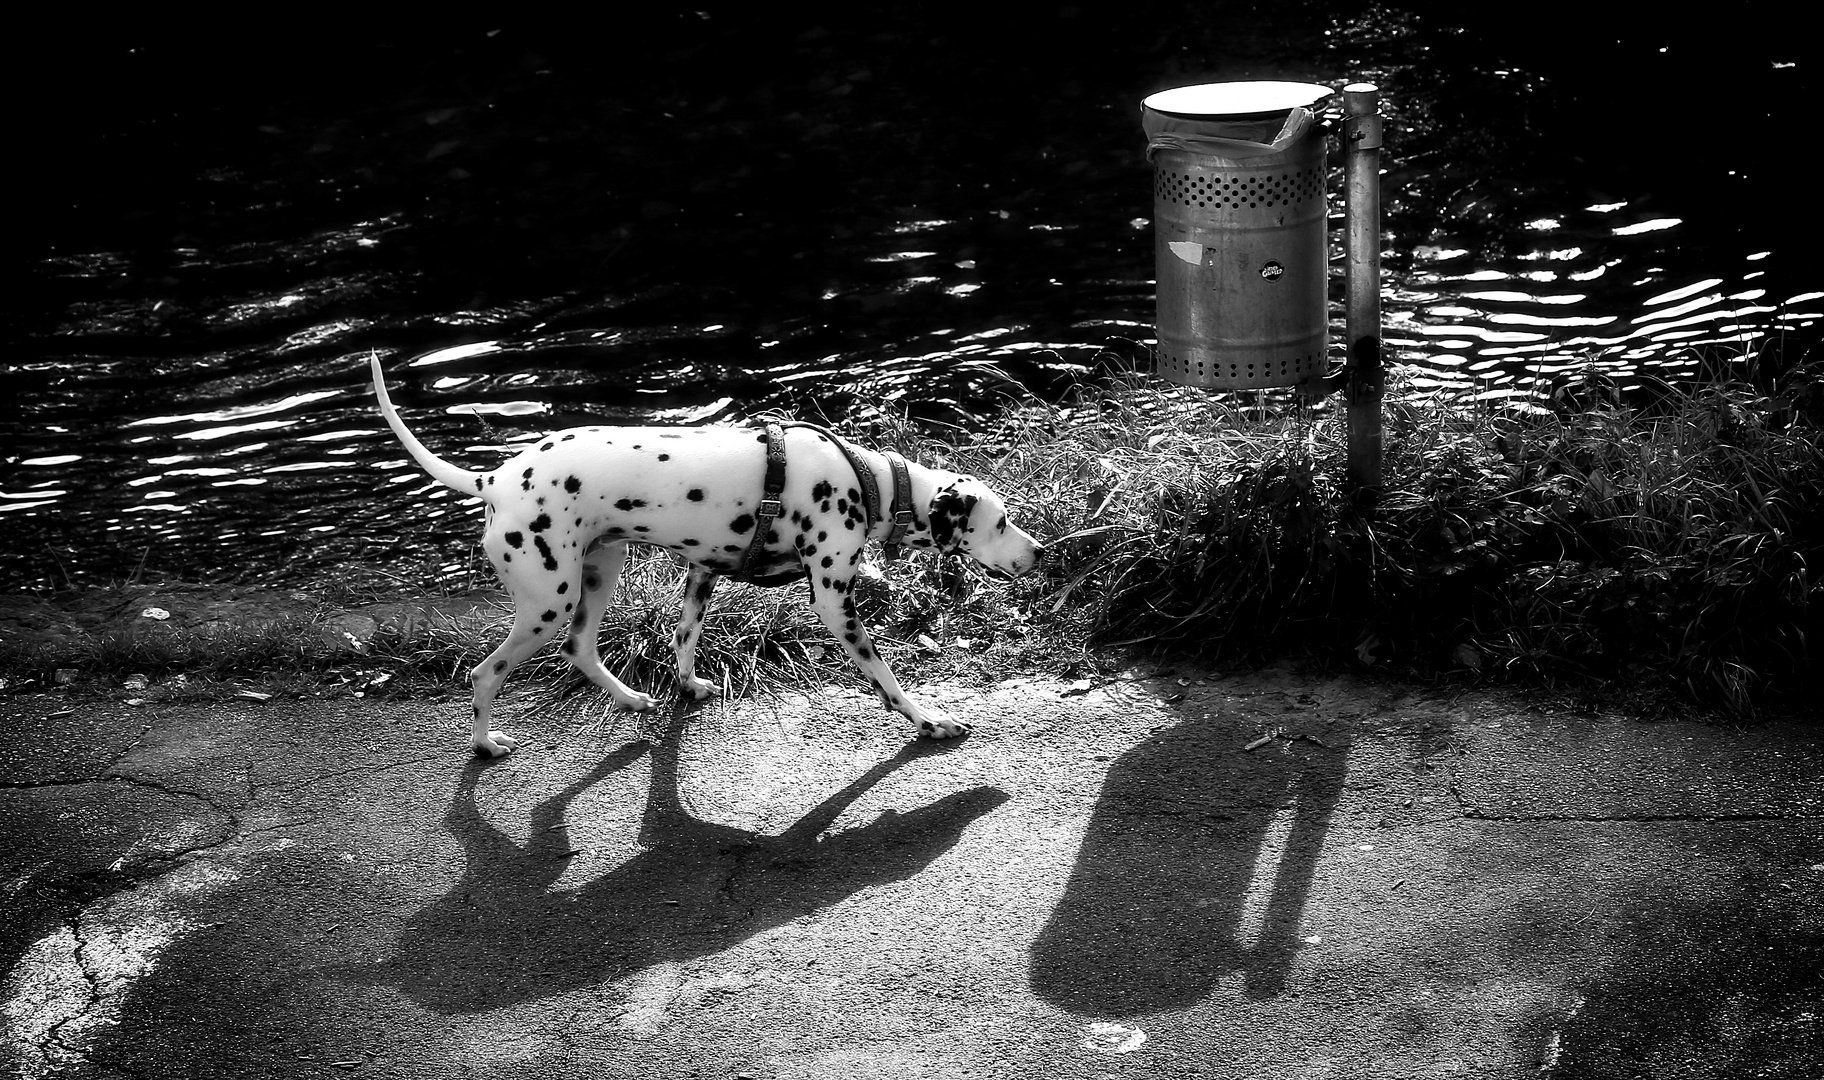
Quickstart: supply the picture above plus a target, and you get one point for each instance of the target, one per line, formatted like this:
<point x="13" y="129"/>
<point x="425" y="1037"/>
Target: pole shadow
<point x="1186" y="829"/>
<point x="503" y="934"/>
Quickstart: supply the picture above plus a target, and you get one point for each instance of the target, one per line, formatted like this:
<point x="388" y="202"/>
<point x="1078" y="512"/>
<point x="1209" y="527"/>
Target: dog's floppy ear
<point x="950" y="512"/>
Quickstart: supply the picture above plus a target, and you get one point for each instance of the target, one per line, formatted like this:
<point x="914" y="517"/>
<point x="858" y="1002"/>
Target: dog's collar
<point x="902" y="504"/>
<point x="902" y="518"/>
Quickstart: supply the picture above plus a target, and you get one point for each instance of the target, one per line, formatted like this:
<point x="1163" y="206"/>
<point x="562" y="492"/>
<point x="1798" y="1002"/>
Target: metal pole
<point x="1366" y="382"/>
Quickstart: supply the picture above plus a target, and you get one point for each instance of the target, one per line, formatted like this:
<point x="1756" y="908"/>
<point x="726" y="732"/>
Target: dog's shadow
<point x="503" y="934"/>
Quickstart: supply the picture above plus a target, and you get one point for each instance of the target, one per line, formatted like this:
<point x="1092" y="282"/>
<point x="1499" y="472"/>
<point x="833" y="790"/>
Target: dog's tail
<point x="452" y="476"/>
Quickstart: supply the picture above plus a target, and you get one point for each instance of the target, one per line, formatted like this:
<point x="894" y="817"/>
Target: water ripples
<point x="1519" y="332"/>
<point x="289" y="458"/>
<point x="205" y="407"/>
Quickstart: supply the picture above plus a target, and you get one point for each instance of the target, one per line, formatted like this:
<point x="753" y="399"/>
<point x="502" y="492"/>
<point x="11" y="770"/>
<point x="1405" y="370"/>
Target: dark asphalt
<point x="1400" y="883"/>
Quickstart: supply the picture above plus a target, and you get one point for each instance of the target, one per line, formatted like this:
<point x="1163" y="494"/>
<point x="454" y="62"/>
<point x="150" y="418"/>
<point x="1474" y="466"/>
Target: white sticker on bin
<point x="1190" y="251"/>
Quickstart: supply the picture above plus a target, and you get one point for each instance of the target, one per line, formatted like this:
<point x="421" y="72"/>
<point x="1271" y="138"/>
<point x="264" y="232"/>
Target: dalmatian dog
<point x="561" y="513"/>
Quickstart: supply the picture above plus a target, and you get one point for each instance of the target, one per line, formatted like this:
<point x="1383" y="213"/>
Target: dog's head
<point x="968" y="518"/>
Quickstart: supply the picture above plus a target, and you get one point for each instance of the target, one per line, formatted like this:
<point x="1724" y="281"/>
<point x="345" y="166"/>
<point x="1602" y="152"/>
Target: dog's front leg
<point x="697" y="589"/>
<point x="835" y="605"/>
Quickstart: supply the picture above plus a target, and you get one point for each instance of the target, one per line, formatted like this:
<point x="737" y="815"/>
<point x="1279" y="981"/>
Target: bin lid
<point x="1237" y="99"/>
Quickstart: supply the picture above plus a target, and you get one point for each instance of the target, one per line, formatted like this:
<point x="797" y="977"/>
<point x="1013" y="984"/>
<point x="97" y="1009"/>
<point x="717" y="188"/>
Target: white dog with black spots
<point x="561" y="513"/>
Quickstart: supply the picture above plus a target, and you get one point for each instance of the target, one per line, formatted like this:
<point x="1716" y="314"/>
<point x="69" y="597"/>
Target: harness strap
<point x="870" y="487"/>
<point x="902" y="504"/>
<point x="769" y="508"/>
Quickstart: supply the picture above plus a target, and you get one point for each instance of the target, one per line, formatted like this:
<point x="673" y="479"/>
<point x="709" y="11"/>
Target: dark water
<point x="689" y="217"/>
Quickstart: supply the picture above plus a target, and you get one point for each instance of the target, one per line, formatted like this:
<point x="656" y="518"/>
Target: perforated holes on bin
<point x="1237" y="374"/>
<point x="1229" y="192"/>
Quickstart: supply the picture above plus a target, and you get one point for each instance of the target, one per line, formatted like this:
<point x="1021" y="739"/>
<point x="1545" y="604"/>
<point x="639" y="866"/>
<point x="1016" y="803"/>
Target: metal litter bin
<point x="1239" y="212"/>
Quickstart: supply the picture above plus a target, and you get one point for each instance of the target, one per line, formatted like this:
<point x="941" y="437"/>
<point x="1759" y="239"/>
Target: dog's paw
<point x="939" y="725"/>
<point x="494" y="744"/>
<point x="700" y="688"/>
<point x="636" y="702"/>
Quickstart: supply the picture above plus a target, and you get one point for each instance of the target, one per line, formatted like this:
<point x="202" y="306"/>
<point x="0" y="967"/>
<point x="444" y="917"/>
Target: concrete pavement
<point x="1253" y="876"/>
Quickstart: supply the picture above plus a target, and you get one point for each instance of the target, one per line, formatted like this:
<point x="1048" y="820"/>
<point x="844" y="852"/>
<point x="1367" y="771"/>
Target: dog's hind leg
<point x="601" y="578"/>
<point x="529" y="631"/>
<point x="697" y="589"/>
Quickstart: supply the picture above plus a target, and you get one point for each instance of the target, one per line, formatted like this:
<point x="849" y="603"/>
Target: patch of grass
<point x="753" y="638"/>
<point x="384" y="637"/>
<point x="255" y="645"/>
<point x="922" y="612"/>
<point x="1670" y="545"/>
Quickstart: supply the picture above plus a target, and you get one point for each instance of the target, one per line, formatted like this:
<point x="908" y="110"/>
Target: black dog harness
<point x="770" y="507"/>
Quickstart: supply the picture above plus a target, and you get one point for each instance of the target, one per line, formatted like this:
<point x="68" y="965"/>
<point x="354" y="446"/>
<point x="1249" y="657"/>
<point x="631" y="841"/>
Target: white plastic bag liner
<point x="1230" y="121"/>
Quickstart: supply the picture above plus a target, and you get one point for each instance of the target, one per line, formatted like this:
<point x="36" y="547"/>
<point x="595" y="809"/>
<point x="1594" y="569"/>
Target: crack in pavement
<point x="161" y="786"/>
<point x="368" y="770"/>
<point x="111" y="777"/>
<point x="76" y="980"/>
<point x="53" y="1048"/>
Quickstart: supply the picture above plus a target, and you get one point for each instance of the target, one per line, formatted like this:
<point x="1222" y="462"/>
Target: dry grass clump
<point x="285" y="643"/>
<point x="752" y="637"/>
<point x="1670" y="542"/>
<point x="1691" y="534"/>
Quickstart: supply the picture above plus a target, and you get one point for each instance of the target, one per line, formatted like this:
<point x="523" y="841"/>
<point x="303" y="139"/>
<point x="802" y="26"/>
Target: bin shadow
<point x="1196" y="862"/>
<point x="503" y="934"/>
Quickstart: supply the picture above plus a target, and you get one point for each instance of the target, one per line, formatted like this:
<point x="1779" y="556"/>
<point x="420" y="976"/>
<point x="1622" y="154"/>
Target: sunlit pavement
<point x="1254" y="876"/>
